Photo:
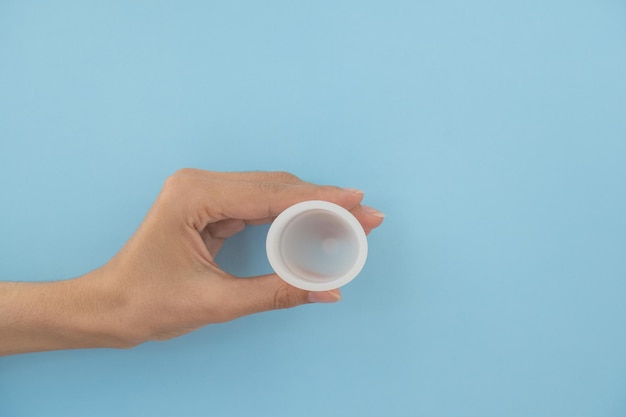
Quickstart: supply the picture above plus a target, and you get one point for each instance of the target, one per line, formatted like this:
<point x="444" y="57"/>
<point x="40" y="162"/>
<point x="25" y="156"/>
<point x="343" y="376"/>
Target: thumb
<point x="269" y="292"/>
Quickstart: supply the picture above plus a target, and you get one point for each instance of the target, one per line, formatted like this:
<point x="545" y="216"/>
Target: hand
<point x="165" y="281"/>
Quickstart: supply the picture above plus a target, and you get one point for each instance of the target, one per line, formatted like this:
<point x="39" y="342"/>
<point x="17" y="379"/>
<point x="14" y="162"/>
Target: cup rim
<point x="281" y="221"/>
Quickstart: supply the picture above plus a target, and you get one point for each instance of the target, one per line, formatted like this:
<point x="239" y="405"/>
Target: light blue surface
<point x="492" y="134"/>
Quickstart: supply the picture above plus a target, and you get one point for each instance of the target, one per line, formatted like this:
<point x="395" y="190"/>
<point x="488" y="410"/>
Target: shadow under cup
<point x="316" y="246"/>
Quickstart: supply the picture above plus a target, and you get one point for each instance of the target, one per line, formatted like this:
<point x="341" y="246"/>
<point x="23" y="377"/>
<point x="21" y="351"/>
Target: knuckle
<point x="175" y="192"/>
<point x="285" y="176"/>
<point x="184" y="172"/>
<point x="180" y="179"/>
<point x="174" y="180"/>
<point x="271" y="187"/>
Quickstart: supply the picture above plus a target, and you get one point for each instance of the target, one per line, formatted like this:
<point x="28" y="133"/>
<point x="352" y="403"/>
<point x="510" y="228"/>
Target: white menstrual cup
<point x="316" y="245"/>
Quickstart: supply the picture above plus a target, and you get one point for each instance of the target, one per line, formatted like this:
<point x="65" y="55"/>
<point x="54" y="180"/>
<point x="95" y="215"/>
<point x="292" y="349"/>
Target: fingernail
<point x="324" y="296"/>
<point x="354" y="190"/>
<point x="373" y="211"/>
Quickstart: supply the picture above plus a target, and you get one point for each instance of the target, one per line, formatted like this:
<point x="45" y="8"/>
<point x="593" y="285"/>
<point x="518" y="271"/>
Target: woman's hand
<point x="165" y="281"/>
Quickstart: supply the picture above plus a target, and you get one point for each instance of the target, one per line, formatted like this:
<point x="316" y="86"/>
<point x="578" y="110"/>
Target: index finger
<point x="261" y="201"/>
<point x="208" y="197"/>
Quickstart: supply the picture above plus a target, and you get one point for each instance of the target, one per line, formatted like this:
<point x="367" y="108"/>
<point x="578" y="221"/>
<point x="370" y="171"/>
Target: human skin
<point x="165" y="282"/>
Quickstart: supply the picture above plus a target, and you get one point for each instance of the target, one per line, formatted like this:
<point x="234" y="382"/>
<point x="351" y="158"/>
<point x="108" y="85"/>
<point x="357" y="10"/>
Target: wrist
<point x="77" y="313"/>
<point x="97" y="311"/>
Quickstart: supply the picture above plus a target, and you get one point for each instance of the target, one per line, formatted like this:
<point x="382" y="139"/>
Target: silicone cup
<point x="316" y="246"/>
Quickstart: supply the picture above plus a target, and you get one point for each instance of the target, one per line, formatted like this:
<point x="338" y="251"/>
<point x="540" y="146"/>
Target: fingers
<point x="225" y="228"/>
<point x="213" y="245"/>
<point x="254" y="201"/>
<point x="214" y="234"/>
<point x="252" y="176"/>
<point x="209" y="197"/>
<point x="269" y="292"/>
<point x="369" y="217"/>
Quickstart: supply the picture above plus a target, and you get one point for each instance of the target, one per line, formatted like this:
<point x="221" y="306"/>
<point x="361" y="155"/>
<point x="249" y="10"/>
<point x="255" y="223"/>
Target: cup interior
<point x="319" y="246"/>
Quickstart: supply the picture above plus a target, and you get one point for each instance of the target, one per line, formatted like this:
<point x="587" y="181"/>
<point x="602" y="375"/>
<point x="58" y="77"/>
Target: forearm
<point x="70" y="314"/>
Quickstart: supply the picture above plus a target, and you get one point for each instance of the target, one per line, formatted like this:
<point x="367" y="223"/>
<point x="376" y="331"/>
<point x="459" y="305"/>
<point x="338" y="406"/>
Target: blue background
<point x="492" y="134"/>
